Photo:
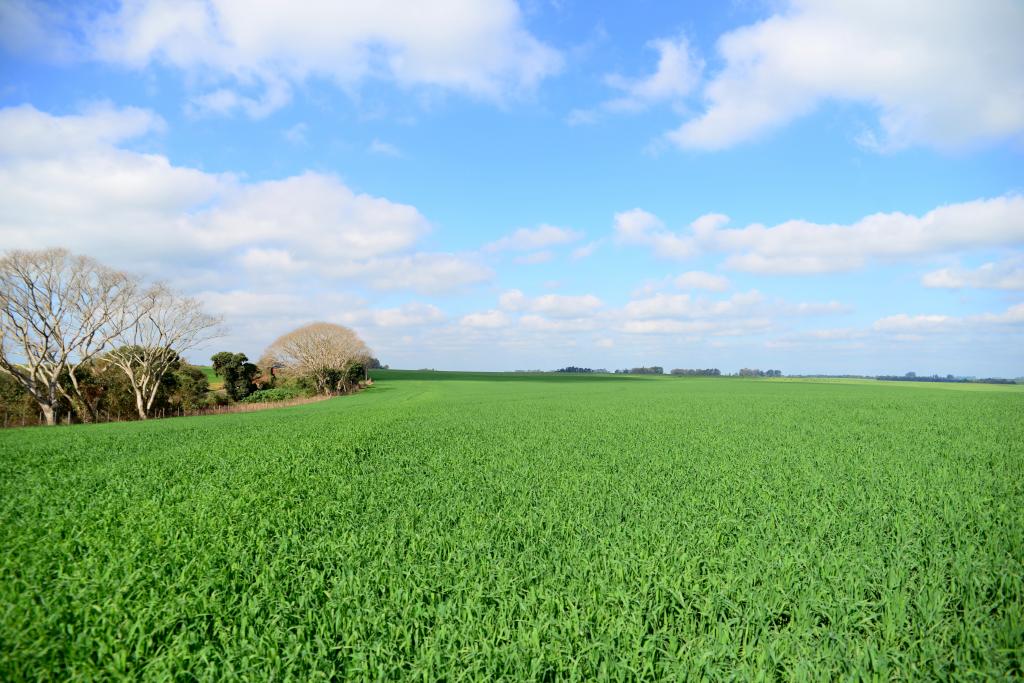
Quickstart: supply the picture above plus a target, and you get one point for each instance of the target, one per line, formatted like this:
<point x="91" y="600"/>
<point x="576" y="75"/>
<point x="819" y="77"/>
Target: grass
<point x="215" y="380"/>
<point x="483" y="527"/>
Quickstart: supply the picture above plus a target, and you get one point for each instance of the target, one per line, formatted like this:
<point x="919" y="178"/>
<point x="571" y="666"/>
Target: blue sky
<point x="812" y="186"/>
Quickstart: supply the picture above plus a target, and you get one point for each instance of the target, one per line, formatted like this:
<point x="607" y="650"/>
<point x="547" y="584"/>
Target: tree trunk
<point x="140" y="405"/>
<point x="80" y="402"/>
<point x="48" y="414"/>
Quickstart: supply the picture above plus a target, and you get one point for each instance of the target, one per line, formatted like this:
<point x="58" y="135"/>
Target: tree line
<point x="82" y="341"/>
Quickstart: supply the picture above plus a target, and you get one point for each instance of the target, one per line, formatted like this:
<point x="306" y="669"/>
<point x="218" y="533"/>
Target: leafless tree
<point x="323" y="351"/>
<point x="57" y="312"/>
<point x="169" y="326"/>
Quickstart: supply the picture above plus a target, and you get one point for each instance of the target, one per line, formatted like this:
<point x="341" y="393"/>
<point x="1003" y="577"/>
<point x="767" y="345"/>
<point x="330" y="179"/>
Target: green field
<point x="215" y="380"/>
<point x="480" y="527"/>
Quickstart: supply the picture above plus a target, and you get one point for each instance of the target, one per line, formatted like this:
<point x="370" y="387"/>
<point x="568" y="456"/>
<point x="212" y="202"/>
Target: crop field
<point x="519" y="527"/>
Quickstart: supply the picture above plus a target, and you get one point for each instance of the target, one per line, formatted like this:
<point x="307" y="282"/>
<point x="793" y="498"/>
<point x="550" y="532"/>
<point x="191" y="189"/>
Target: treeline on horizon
<point x="676" y="372"/>
<point x="754" y="372"/>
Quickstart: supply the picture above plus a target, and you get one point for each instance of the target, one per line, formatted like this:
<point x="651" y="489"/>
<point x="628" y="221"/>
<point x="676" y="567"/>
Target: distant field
<point x="216" y="382"/>
<point x="479" y="527"/>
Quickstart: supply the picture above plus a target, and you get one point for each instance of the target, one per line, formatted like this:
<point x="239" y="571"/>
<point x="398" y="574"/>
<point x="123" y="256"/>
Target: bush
<point x="214" y="401"/>
<point x="272" y="395"/>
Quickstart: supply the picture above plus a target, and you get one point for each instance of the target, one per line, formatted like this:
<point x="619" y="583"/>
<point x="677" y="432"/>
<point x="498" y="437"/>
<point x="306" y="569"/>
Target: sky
<point x="818" y="187"/>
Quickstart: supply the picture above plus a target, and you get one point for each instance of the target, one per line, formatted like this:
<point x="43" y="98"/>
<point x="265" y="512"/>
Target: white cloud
<point x="408" y="315"/>
<point x="677" y="73"/>
<point x="429" y="273"/>
<point x="531" y="239"/>
<point x="799" y="246"/>
<point x="944" y="73"/>
<point x="640" y="227"/>
<point x="386" y="149"/>
<point x="238" y="303"/>
<point x="685" y="306"/>
<point x="1007" y="274"/>
<point x="31" y="134"/>
<point x="547" y="324"/>
<point x="26" y="25"/>
<point x="270" y="260"/>
<point x="675" y="76"/>
<point x="698" y="329"/>
<point x="741" y="314"/>
<point x="492" y="319"/>
<point x="65" y="181"/>
<point x="585" y="251"/>
<point x="937" y="323"/>
<point x="482" y="49"/>
<point x="696" y="279"/>
<point x="551" y="305"/>
<point x="513" y="300"/>
<point x="315" y="215"/>
<point x="838" y="334"/>
<point x="814" y="308"/>
<point x="914" y="323"/>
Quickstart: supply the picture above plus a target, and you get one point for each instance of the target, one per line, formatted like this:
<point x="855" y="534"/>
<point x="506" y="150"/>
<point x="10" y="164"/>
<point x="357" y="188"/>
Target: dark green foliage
<point x="355" y="373"/>
<point x="516" y="527"/>
<point x="275" y="394"/>
<point x="189" y="387"/>
<point x="705" y="372"/>
<point x="17" y="407"/>
<point x="238" y="373"/>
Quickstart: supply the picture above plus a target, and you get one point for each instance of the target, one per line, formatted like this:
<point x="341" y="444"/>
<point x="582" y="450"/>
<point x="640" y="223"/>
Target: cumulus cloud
<point x="1006" y="274"/>
<point x="799" y="246"/>
<point x="639" y="227"/>
<point x="69" y="181"/>
<point x="531" y="239"/>
<point x="944" y="73"/>
<point x="260" y="56"/>
<point x="675" y="76"/>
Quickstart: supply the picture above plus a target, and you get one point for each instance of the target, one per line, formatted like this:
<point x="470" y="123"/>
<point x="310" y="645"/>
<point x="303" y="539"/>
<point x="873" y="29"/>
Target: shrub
<point x="272" y="395"/>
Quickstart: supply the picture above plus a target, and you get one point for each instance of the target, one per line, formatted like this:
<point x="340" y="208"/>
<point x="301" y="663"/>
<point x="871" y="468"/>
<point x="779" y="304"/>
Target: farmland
<point x="477" y="527"/>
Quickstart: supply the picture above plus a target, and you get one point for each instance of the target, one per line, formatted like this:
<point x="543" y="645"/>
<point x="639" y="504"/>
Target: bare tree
<point x="57" y="311"/>
<point x="323" y="351"/>
<point x="169" y="326"/>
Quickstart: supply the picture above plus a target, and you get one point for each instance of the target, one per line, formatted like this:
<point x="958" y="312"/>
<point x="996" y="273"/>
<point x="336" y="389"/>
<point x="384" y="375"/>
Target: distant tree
<point x="238" y="373"/>
<point x="652" y="370"/>
<point x="170" y="326"/>
<point x="190" y="387"/>
<point x="324" y="352"/>
<point x="17" y="407"/>
<point x="57" y="312"/>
